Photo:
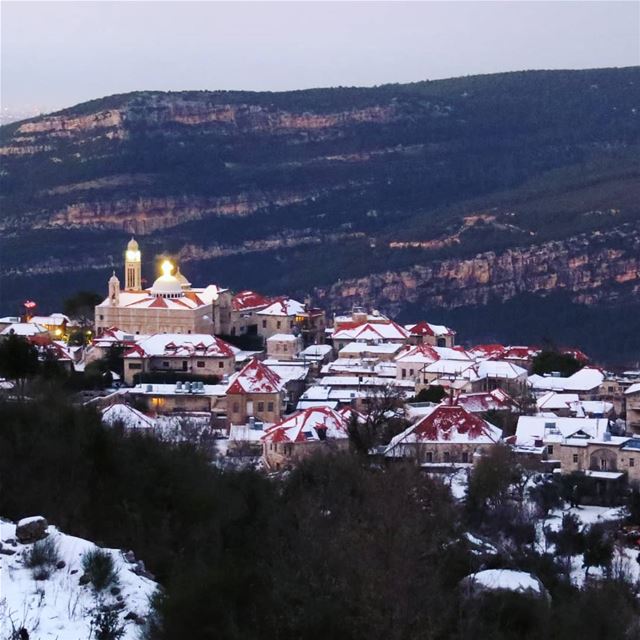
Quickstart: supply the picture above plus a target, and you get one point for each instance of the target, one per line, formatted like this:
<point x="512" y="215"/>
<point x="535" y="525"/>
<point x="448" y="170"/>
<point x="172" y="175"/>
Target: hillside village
<point x="269" y="381"/>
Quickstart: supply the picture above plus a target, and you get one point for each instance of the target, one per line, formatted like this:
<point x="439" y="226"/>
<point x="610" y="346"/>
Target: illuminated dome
<point x="167" y="285"/>
<point x="133" y="245"/>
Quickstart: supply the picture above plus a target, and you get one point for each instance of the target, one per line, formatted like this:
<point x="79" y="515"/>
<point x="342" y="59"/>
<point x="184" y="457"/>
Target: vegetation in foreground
<point x="338" y="547"/>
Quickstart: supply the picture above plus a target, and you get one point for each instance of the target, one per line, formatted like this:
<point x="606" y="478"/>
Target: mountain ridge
<point x="258" y="189"/>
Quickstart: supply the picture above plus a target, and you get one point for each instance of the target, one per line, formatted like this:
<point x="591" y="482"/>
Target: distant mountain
<point x="431" y="198"/>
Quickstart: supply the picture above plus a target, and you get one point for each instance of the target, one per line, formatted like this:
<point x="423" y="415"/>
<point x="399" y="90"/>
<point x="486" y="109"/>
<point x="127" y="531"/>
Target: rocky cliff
<point x="587" y="266"/>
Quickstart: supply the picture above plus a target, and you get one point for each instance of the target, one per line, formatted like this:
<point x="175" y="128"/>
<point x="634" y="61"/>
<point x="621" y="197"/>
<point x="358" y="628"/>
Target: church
<point x="171" y="305"/>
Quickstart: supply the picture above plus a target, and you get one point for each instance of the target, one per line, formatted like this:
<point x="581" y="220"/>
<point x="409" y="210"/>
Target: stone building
<point x="196" y="354"/>
<point x="447" y="435"/>
<point x="170" y="305"/>
<point x="255" y="392"/>
<point x="307" y="432"/>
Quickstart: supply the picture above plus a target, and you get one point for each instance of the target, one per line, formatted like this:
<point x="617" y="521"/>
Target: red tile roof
<point x="255" y="377"/>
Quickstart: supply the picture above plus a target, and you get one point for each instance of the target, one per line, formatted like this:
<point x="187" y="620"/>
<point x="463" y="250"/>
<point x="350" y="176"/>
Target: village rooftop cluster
<point x="277" y="379"/>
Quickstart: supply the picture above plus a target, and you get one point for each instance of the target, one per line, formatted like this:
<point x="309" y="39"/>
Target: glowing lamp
<point x="166" y="267"/>
<point x="132" y="256"/>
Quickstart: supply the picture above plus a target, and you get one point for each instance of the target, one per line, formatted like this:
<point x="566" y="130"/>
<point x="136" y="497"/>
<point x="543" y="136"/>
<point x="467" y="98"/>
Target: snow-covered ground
<point x="58" y="608"/>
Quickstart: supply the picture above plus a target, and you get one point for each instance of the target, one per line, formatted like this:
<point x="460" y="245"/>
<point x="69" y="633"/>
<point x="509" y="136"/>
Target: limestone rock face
<point x="31" y="529"/>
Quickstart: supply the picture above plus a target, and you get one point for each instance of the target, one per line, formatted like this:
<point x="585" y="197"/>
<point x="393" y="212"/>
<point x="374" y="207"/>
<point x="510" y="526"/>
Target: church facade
<point x="170" y="305"/>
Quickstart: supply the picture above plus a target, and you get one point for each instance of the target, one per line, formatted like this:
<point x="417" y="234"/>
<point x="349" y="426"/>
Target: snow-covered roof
<point x="448" y="423"/>
<point x="23" y="329"/>
<point x="500" y="369"/>
<point x="288" y="371"/>
<point x="428" y="329"/>
<point x="165" y="389"/>
<point x="634" y="388"/>
<point x="420" y="354"/>
<point x="463" y="368"/>
<point x="552" y="400"/>
<point x="190" y="299"/>
<point x="453" y="353"/>
<point x="532" y="428"/>
<point x="249" y="300"/>
<point x="496" y="400"/>
<point x="53" y="318"/>
<point x="255" y="377"/>
<point x="182" y="345"/>
<point x="361" y="381"/>
<point x="374" y="349"/>
<point x="112" y="336"/>
<point x="283" y="307"/>
<point x="315" y="423"/>
<point x="374" y="332"/>
<point x="587" y="379"/>
<point x="129" y="417"/>
<point x="283" y="337"/>
<point x="318" y="351"/>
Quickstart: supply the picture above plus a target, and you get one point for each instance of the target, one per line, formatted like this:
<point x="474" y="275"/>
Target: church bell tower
<point x="132" y="267"/>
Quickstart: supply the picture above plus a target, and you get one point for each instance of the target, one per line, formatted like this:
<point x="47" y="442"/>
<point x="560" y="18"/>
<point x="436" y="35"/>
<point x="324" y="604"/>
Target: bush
<point x="106" y="626"/>
<point x="43" y="553"/>
<point x="98" y="565"/>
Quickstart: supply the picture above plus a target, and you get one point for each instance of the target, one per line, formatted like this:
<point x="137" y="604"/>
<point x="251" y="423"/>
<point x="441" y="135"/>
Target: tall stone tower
<point x="132" y="267"/>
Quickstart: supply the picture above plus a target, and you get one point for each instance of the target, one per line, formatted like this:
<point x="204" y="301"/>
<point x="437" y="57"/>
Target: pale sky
<point x="56" y="54"/>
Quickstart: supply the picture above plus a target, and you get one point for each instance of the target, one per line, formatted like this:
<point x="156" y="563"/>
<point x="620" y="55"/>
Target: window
<point x="279" y="324"/>
<point x="285" y="347"/>
<point x="221" y="365"/>
<point x="447" y="456"/>
<point x="465" y="457"/>
<point x="165" y="363"/>
<point x="236" y="407"/>
<point x="429" y="456"/>
<point x="135" y="366"/>
<point x="550" y="449"/>
<point x="200" y="364"/>
<point x="264" y="324"/>
<point x="101" y="317"/>
<point x="260" y="406"/>
<point x="270" y="406"/>
<point x="184" y="365"/>
<point x="575" y="458"/>
<point x="632" y="462"/>
<point x="404" y="373"/>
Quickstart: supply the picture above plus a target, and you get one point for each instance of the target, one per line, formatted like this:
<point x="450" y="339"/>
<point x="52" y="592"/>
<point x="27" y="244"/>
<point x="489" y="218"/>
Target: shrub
<point x="106" y="626"/>
<point x="43" y="553"/>
<point x="99" y="567"/>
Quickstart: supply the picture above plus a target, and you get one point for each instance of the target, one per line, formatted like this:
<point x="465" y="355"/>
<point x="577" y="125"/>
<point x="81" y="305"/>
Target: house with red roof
<point x="306" y="432"/>
<point x="370" y="333"/>
<point x="436" y="335"/>
<point x="245" y="306"/>
<point x="255" y="391"/>
<point x="447" y="435"/>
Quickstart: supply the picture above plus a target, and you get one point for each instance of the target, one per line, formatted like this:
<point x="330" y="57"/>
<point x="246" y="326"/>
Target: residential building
<point x="256" y="391"/>
<point x="194" y="354"/>
<point x="449" y="434"/>
<point x="307" y="432"/>
<point x="284" y="346"/>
